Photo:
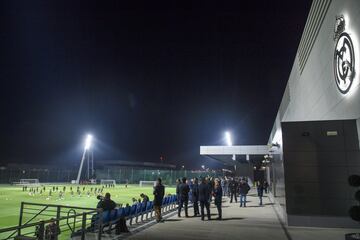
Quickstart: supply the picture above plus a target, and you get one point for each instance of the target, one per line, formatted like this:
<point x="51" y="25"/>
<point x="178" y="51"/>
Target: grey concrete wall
<point x="317" y="167"/>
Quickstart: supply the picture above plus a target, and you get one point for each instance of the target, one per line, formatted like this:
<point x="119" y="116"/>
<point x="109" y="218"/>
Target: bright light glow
<point x="88" y="141"/>
<point x="228" y="138"/>
<point x="203" y="166"/>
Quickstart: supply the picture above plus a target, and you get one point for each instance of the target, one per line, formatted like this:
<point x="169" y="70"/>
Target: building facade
<point x="318" y="123"/>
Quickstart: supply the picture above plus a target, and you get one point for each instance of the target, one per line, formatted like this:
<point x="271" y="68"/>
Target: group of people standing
<point x="202" y="193"/>
<point x="240" y="187"/>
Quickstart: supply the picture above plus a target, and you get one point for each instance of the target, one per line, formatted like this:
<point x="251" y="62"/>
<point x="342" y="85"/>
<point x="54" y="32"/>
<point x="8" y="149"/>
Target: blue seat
<point x="143" y="206"/>
<point x="113" y="215"/>
<point x="106" y="217"/>
<point x="127" y="211"/>
<point x="148" y="206"/>
<point x="121" y="212"/>
<point x="138" y="208"/>
<point x="133" y="210"/>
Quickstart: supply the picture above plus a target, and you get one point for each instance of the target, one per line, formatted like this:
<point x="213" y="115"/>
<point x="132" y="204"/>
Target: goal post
<point x="147" y="183"/>
<point x="29" y="182"/>
<point x="107" y="182"/>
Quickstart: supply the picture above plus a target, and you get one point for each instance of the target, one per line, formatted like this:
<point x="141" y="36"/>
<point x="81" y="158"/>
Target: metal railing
<point x="78" y="221"/>
<point x="34" y="218"/>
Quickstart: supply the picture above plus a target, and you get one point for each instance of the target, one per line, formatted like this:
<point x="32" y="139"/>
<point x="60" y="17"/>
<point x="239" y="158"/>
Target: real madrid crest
<point x="344" y="58"/>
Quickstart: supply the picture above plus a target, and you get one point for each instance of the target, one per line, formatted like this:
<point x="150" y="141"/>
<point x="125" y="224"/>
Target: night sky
<point x="146" y="78"/>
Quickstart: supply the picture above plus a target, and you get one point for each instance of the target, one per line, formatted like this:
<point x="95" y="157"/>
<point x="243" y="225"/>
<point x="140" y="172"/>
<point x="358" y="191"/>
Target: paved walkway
<point x="252" y="222"/>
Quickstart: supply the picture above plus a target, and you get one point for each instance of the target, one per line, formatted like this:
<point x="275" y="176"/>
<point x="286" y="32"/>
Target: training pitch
<point x="11" y="196"/>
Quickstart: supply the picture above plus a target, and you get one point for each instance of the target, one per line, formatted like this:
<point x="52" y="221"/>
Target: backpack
<point x="121" y="226"/>
<point x="247" y="189"/>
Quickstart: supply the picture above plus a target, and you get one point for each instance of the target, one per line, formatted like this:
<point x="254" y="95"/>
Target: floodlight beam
<point x="228" y="138"/>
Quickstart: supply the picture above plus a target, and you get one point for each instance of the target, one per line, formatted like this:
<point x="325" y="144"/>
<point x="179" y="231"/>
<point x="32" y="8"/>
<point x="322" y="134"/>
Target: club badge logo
<point x="344" y="59"/>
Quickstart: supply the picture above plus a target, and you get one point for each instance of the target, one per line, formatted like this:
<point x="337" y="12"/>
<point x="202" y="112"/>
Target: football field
<point x="11" y="196"/>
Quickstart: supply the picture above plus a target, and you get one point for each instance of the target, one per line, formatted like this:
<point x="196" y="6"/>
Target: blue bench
<point x="109" y="218"/>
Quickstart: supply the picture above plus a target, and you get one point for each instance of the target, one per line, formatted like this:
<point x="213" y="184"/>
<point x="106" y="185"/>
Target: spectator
<point x="52" y="230"/>
<point x="266" y="186"/>
<point x="106" y="204"/>
<point x="260" y="192"/>
<point x="178" y="182"/>
<point x="204" y="196"/>
<point x="184" y="190"/>
<point x="233" y="186"/>
<point x="218" y="197"/>
<point x="159" y="191"/>
<point x="211" y="186"/>
<point x="190" y="183"/>
<point x="145" y="198"/>
<point x="243" y="189"/>
<point x="195" y="197"/>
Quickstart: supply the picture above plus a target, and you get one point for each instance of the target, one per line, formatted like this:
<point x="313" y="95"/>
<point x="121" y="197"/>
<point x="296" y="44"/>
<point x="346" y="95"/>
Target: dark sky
<point x="146" y="78"/>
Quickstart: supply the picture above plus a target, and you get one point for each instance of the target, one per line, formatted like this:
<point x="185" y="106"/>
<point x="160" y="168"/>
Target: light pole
<point x="88" y="142"/>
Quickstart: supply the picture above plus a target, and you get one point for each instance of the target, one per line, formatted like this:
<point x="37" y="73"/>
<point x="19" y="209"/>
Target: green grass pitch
<point x="12" y="196"/>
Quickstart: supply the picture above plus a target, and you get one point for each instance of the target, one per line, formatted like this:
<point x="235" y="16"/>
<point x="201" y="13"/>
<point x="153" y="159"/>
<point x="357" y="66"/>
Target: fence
<point x="77" y="222"/>
<point x="34" y="218"/>
<point x="120" y="174"/>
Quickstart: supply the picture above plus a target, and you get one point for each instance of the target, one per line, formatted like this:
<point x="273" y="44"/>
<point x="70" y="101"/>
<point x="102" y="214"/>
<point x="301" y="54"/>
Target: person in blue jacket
<point x="217" y="193"/>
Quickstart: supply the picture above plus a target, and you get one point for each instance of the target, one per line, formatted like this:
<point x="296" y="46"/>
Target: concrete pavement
<point x="252" y="222"/>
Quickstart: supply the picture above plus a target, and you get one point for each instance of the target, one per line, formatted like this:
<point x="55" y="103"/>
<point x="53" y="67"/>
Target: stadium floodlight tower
<point x="89" y="156"/>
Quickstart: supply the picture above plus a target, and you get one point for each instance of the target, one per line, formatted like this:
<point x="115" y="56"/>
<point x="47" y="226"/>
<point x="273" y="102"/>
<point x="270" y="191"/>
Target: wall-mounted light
<point x="276" y="144"/>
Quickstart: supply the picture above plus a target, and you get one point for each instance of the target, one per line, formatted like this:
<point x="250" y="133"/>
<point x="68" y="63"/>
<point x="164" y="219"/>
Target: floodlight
<point x="88" y="142"/>
<point x="203" y="166"/>
<point x="228" y="138"/>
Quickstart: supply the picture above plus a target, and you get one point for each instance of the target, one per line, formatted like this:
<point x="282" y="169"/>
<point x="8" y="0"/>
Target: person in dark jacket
<point x="184" y="190"/>
<point x="204" y="196"/>
<point x="260" y="191"/>
<point x="211" y="184"/>
<point x="145" y="199"/>
<point x="178" y="182"/>
<point x="106" y="204"/>
<point x="233" y="186"/>
<point x="52" y="230"/>
<point x="195" y="197"/>
<point x="159" y="191"/>
<point x="266" y="186"/>
<point x="218" y="197"/>
<point x="244" y="188"/>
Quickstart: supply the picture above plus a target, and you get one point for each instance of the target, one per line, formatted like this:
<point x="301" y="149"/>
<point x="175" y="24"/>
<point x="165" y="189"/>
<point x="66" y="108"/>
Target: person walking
<point x="204" y="196"/>
<point x="159" y="191"/>
<point x="244" y="188"/>
<point x="195" y="197"/>
<point x="184" y="190"/>
<point x="266" y="186"/>
<point x="260" y="192"/>
<point x="218" y="197"/>
<point x="233" y="186"/>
